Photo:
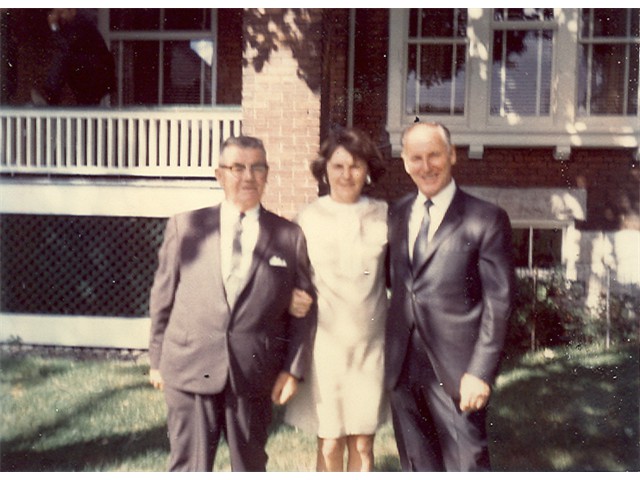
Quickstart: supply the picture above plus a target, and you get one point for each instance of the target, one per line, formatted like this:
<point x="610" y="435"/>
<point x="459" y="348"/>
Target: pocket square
<point x="277" y="262"/>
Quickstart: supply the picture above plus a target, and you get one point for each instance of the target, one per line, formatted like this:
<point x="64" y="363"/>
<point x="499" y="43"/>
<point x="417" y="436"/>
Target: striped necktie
<point x="234" y="279"/>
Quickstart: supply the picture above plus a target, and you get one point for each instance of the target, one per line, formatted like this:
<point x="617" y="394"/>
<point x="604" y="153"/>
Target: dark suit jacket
<point x="459" y="299"/>
<point x="197" y="341"/>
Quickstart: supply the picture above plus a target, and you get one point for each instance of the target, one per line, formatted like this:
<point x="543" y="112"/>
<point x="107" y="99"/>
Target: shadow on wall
<point x="296" y="28"/>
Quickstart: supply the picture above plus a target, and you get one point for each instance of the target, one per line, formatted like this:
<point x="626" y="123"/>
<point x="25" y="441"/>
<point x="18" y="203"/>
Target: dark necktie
<point x="420" y="245"/>
<point x="234" y="280"/>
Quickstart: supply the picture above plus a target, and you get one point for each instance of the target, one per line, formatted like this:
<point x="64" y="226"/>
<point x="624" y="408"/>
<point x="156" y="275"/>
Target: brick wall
<point x="611" y="180"/>
<point x="610" y="176"/>
<point x="281" y="99"/>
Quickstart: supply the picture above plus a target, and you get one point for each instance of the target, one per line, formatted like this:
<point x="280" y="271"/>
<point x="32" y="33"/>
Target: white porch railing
<point x="179" y="142"/>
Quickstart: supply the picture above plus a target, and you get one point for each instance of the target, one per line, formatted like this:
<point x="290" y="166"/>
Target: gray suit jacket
<point x="460" y="299"/>
<point x="197" y="341"/>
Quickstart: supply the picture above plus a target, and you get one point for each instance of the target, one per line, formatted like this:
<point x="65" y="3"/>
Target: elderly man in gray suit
<point x="223" y="344"/>
<point x="452" y="283"/>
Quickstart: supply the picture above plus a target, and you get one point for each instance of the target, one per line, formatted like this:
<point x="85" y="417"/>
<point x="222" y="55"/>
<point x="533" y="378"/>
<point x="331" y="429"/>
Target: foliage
<point x="552" y="311"/>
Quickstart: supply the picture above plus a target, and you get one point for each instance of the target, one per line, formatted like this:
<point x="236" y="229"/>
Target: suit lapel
<point x="212" y="230"/>
<point x="451" y="221"/>
<point x="203" y="240"/>
<point x="264" y="239"/>
<point x="402" y="226"/>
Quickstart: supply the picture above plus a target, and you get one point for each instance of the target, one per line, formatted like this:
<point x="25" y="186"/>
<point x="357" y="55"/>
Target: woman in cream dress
<point x="342" y="401"/>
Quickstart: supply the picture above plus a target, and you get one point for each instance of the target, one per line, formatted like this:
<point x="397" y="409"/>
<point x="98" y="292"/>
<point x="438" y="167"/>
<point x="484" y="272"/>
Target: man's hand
<point x="285" y="387"/>
<point x="155" y="379"/>
<point x="474" y="393"/>
<point x="300" y="303"/>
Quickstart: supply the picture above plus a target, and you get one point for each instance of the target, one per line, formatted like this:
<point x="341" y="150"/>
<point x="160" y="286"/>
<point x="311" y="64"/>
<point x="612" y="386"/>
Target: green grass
<point x="568" y="410"/>
<point x="558" y="410"/>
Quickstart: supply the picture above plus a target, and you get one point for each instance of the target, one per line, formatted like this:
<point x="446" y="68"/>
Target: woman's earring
<point x="324" y="179"/>
<point x="368" y="180"/>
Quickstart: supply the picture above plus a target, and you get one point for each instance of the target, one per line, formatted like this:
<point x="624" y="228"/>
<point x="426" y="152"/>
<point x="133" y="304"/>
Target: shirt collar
<point x="229" y="211"/>
<point x="442" y="199"/>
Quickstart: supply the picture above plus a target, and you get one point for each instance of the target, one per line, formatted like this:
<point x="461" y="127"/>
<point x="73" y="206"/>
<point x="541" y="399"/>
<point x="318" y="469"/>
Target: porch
<point x="160" y="142"/>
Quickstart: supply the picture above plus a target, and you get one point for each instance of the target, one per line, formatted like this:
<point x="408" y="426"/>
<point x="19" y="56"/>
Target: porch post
<point x="281" y="99"/>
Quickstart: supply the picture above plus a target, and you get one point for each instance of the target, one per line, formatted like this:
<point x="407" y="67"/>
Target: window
<point x="164" y="56"/>
<point x="522" y="60"/>
<point x="517" y="77"/>
<point x="537" y="248"/>
<point x="436" y="61"/>
<point x="608" y="67"/>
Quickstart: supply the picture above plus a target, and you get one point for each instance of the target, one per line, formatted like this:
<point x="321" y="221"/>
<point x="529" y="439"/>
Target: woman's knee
<point x="362" y="444"/>
<point x="330" y="447"/>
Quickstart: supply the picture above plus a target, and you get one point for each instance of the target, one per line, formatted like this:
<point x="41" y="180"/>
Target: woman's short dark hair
<point x="358" y="144"/>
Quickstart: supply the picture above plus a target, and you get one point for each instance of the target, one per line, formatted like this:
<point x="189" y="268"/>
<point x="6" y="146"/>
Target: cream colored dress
<point x="344" y="392"/>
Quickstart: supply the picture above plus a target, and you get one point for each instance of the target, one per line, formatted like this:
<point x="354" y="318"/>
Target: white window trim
<point x="477" y="129"/>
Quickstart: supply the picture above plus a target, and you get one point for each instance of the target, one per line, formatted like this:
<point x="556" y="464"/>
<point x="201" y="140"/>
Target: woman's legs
<point x="360" y="448"/>
<point x="330" y="457"/>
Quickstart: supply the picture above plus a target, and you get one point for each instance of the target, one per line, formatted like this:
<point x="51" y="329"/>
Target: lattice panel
<point x="75" y="265"/>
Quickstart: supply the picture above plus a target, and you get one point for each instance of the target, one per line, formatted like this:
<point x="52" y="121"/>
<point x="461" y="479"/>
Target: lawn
<point x="556" y="410"/>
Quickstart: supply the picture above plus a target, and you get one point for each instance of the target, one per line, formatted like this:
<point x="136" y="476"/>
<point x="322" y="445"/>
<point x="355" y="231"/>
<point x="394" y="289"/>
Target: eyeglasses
<point x="238" y="169"/>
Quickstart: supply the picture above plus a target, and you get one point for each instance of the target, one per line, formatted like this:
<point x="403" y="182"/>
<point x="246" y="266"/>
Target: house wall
<point x="335" y="70"/>
<point x="370" y="76"/>
<point x="606" y="235"/>
<point x="229" y="65"/>
<point x="290" y="73"/>
<point x="281" y="99"/>
<point x="77" y="256"/>
<point x="610" y="176"/>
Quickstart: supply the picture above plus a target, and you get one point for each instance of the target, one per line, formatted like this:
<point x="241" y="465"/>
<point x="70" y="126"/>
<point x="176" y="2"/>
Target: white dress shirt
<point x="229" y="214"/>
<point x="441" y="203"/>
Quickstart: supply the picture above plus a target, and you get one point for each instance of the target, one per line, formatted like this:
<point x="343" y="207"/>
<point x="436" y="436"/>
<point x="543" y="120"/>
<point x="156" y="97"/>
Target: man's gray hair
<point x="444" y="131"/>
<point x="243" y="142"/>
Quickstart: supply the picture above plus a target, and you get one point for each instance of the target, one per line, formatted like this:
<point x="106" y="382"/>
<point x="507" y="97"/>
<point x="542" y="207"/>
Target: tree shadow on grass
<point x="19" y="454"/>
<point x="90" y="455"/>
<point x="575" y="413"/>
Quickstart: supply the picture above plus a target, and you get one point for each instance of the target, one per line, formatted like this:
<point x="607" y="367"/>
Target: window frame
<point x="591" y="41"/>
<point x="420" y="42"/>
<point x="539" y="226"/>
<point x="500" y="26"/>
<point x="476" y="128"/>
<point x="163" y="36"/>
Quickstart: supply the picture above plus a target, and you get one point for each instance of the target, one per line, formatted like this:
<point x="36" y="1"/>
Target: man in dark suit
<point x="452" y="280"/>
<point x="223" y="345"/>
